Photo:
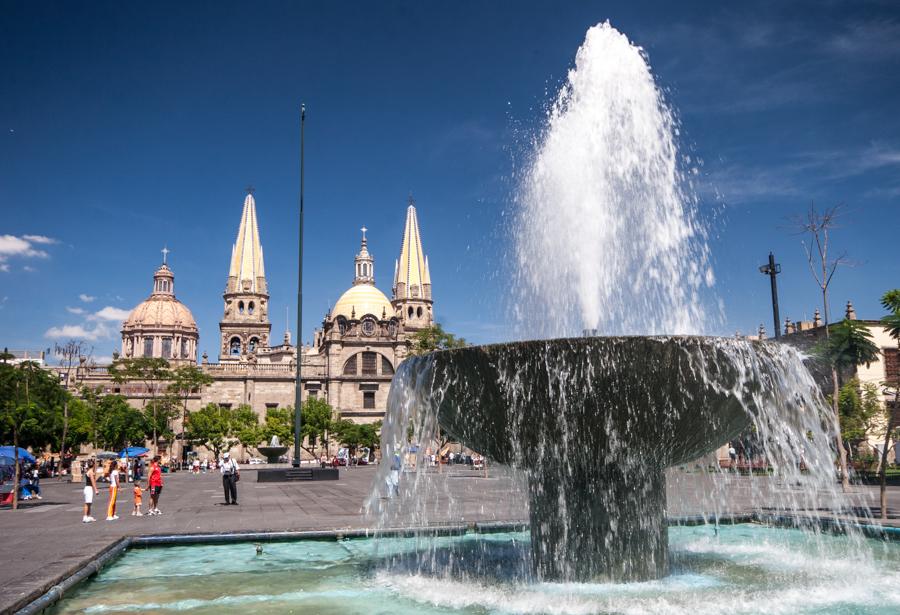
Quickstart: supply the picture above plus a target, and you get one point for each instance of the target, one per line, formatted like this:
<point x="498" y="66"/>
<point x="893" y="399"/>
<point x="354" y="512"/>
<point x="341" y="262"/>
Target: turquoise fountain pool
<point x="740" y="569"/>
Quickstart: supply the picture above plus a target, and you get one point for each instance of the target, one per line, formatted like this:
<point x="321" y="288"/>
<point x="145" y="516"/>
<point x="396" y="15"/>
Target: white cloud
<point x="86" y="298"/>
<point x="40" y="239"/>
<point x="74" y="310"/>
<point x="110" y="313"/>
<point x="10" y="245"/>
<point x="100" y="331"/>
<point x="28" y="268"/>
<point x="3" y="266"/>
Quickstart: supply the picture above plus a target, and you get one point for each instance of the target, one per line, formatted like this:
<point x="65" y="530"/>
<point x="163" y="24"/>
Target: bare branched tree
<point x="817" y="226"/>
<point x="70" y="356"/>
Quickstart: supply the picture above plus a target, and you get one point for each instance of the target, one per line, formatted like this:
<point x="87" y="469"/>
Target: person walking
<point x="231" y="474"/>
<point x="156" y="484"/>
<point x="90" y="490"/>
<point x="113" y="492"/>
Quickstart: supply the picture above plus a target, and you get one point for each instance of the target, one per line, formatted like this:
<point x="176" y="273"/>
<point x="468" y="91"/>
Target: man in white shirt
<point x="231" y="474"/>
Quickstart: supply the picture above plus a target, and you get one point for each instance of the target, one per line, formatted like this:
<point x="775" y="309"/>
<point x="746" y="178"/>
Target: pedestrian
<point x="231" y="474"/>
<point x="732" y="454"/>
<point x="36" y="483"/>
<point x="156" y="484"/>
<point x="138" y="496"/>
<point x="90" y="490"/>
<point x="113" y="492"/>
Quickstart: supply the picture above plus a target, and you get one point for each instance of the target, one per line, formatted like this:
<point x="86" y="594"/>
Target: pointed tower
<point x="412" y="279"/>
<point x="245" y="326"/>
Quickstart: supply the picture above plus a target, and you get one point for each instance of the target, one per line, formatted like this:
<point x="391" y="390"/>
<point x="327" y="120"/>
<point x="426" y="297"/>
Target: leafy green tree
<point x="150" y="371"/>
<point x="848" y="345"/>
<point x="860" y="410"/>
<point x="354" y="435"/>
<point x="70" y="354"/>
<point x="187" y="380"/>
<point x="434" y="338"/>
<point x="245" y="427"/>
<point x="210" y="426"/>
<point x="279" y="422"/>
<point x="890" y="301"/>
<point x="158" y="416"/>
<point x="120" y="425"/>
<point x="318" y="421"/>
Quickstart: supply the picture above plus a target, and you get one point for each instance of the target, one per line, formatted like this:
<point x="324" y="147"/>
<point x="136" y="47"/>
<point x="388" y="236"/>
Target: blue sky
<point x="128" y="127"/>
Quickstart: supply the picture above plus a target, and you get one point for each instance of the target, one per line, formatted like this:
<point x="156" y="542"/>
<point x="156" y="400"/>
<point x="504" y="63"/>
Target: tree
<point x="120" y="424"/>
<point x="434" y="338"/>
<point x="318" y="421"/>
<point x="891" y="302"/>
<point x="30" y="402"/>
<point x="220" y="428"/>
<point x="847" y="345"/>
<point x="860" y="410"/>
<point x="158" y="416"/>
<point x="187" y="380"/>
<point x="822" y="266"/>
<point x="151" y="371"/>
<point x="70" y="354"/>
<point x="355" y="435"/>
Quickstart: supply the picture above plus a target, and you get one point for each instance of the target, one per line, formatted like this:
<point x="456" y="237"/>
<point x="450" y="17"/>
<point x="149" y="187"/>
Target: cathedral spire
<point x="247" y="272"/>
<point x="412" y="278"/>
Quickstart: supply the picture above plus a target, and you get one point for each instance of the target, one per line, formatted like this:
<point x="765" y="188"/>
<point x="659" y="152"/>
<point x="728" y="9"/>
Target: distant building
<point x="22" y="356"/>
<point x="354" y="354"/>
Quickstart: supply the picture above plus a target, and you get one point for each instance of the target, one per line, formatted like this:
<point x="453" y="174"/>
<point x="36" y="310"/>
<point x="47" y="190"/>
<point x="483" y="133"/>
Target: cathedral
<point x="350" y="363"/>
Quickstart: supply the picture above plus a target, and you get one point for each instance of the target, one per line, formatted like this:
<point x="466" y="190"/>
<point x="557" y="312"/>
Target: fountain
<point x="274" y="451"/>
<point x="594" y="422"/>
<point x="606" y="237"/>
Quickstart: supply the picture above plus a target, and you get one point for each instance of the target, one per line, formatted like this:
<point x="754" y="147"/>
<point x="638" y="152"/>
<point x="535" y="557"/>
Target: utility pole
<point x="772" y="269"/>
<point x="299" y="342"/>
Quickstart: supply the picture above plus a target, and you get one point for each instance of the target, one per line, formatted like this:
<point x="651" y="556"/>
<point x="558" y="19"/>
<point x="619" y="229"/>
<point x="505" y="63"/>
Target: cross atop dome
<point x="165" y="252"/>
<point x="364" y="263"/>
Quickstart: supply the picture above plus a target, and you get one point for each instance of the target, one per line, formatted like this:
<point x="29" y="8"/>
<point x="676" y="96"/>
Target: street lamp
<point x="772" y="269"/>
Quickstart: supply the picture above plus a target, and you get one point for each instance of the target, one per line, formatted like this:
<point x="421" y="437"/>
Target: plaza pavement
<point x="45" y="541"/>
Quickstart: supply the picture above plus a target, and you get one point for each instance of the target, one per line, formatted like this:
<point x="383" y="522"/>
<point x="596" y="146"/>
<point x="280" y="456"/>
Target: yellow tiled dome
<point x="360" y="300"/>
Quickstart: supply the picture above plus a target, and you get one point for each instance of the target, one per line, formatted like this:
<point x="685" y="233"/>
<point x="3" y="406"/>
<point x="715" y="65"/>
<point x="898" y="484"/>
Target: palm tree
<point x="891" y="302"/>
<point x="848" y="346"/>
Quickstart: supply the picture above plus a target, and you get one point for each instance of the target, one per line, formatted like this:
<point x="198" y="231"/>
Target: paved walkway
<point x="45" y="540"/>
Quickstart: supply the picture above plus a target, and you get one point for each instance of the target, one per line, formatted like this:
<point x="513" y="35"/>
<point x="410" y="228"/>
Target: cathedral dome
<point x="161" y="326"/>
<point x="360" y="300"/>
<point x="161" y="313"/>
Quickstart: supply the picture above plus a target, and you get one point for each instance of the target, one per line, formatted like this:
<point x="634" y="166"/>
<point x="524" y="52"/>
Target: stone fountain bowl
<point x="272" y="453"/>
<point x="594" y="422"/>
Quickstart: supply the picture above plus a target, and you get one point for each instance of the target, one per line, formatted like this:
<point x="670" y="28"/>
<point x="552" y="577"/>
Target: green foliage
<point x="354" y="435"/>
<point x="142" y="369"/>
<point x="120" y="425"/>
<point x="279" y="422"/>
<point x="860" y="410"/>
<point x="849" y="345"/>
<point x="221" y="428"/>
<point x="31" y="402"/>
<point x="158" y="415"/>
<point x="434" y="338"/>
<point x="188" y="379"/>
<point x="317" y="418"/>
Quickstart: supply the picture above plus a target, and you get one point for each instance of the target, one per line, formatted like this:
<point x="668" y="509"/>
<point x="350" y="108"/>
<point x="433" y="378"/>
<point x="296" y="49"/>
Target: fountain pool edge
<point x="57" y="589"/>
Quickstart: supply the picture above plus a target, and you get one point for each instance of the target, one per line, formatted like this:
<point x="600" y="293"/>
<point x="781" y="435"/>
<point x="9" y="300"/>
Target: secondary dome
<point x="360" y="300"/>
<point x="162" y="326"/>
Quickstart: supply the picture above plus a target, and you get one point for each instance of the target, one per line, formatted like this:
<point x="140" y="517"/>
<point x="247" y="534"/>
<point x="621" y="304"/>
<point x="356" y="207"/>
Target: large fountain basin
<point x="594" y="422"/>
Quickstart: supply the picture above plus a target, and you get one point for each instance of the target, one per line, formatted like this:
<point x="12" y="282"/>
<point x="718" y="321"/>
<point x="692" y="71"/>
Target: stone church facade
<point x="350" y="363"/>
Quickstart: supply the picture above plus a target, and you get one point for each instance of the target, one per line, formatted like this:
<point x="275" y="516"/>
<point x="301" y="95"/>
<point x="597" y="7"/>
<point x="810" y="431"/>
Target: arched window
<point x="350" y="366"/>
<point x="184" y="348"/>
<point x="386" y="368"/>
<point x="369" y="364"/>
<point x="234" y="347"/>
<point x="342" y="325"/>
<point x="250" y="307"/>
<point x="410" y="312"/>
<point x="419" y="312"/>
<point x="253" y="342"/>
<point x="240" y="307"/>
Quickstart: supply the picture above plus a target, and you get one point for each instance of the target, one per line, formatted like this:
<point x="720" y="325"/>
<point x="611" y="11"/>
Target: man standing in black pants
<point x="231" y="474"/>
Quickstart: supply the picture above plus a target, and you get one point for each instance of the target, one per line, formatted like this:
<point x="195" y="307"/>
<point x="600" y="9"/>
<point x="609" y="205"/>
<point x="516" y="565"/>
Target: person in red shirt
<point x="156" y="484"/>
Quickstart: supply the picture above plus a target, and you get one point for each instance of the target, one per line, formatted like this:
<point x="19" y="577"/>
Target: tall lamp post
<point x="772" y="269"/>
<point x="298" y="388"/>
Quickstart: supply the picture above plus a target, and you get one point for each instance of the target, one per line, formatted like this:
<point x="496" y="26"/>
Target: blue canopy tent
<point x="10" y="451"/>
<point x="133" y="451"/>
